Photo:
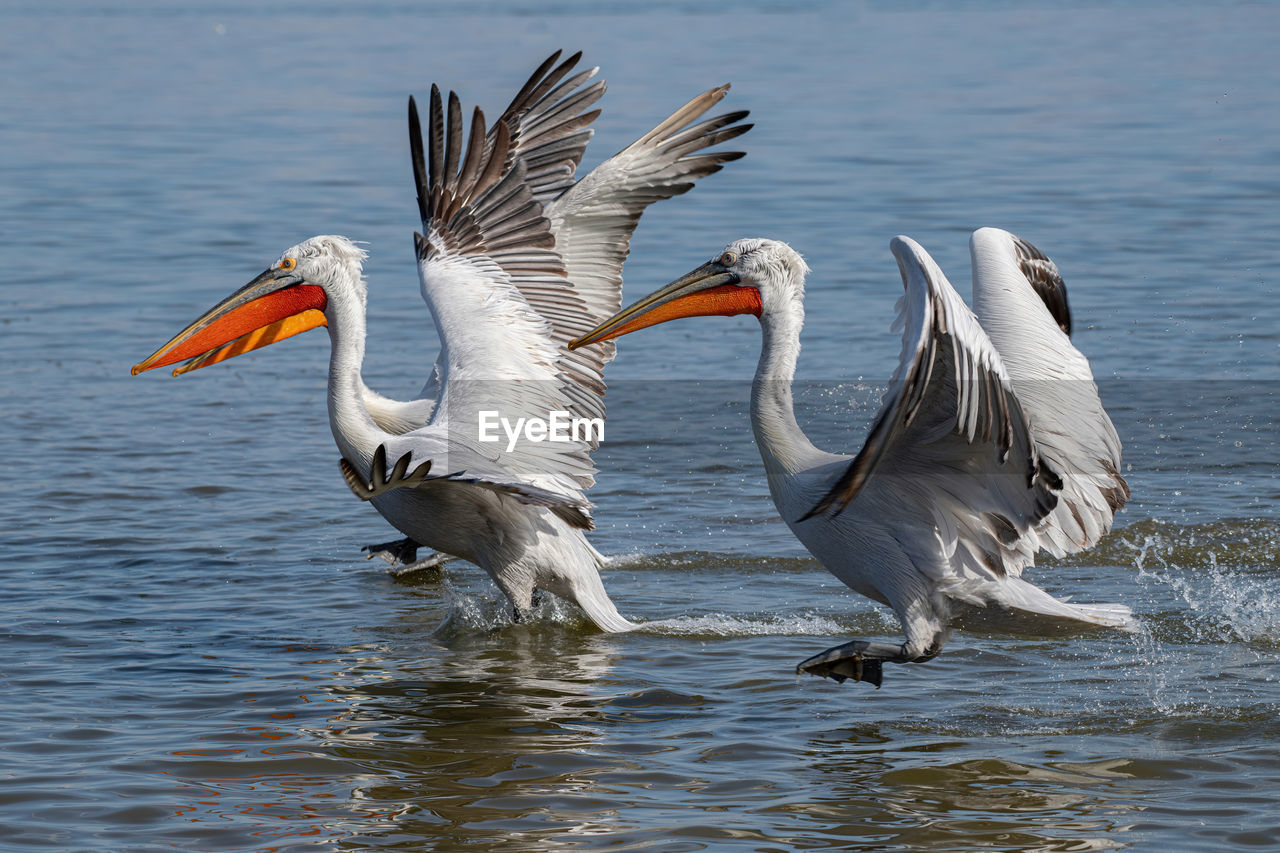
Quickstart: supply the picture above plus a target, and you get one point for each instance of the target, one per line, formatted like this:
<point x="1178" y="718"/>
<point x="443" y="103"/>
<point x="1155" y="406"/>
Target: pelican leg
<point x="861" y="660"/>
<point x="402" y="556"/>
<point x="523" y="614"/>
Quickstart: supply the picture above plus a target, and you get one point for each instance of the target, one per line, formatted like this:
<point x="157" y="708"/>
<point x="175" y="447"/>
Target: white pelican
<point x="991" y="444"/>
<point x="516" y="260"/>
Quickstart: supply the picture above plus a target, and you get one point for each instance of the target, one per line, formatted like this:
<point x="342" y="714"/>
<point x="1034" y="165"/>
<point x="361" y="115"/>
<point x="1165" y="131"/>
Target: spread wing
<point x="593" y="221"/>
<point x="547" y="131"/>
<point x="516" y="259"/>
<point x="1021" y="301"/>
<point x="951" y="443"/>
<point x="486" y="255"/>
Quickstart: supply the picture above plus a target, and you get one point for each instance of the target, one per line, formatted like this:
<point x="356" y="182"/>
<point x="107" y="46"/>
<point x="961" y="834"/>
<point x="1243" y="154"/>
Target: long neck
<point x="783" y="447"/>
<point x="353" y="428"/>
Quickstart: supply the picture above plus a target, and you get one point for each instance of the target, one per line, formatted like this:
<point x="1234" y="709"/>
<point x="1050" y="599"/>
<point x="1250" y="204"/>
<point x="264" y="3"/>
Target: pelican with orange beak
<point x="990" y="445"/>
<point x="515" y="258"/>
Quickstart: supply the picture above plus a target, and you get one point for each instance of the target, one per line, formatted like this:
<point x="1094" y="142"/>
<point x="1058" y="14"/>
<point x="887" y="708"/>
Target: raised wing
<point x="546" y="130"/>
<point x="517" y="260"/>
<point x="1020" y="299"/>
<point x="952" y="439"/>
<point x="487" y="254"/>
<point x="593" y="221"/>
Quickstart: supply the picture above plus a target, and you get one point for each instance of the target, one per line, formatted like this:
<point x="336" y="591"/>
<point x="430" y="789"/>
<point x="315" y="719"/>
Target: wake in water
<point x="469" y="612"/>
<point x="727" y="625"/>
<point x="1208" y="597"/>
<point x="473" y="610"/>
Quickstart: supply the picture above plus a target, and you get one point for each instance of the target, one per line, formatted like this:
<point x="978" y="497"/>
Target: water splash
<point x="469" y="612"/>
<point x="1214" y="617"/>
<point x="1225" y="604"/>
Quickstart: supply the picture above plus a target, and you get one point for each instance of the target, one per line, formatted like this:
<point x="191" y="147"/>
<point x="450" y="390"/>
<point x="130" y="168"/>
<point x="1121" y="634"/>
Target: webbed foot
<point x="859" y="660"/>
<point x="380" y="480"/>
<point x="402" y="557"/>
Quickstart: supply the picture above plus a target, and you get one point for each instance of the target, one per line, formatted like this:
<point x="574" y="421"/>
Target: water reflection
<point x="385" y="744"/>
<point x="896" y="784"/>
<point x="497" y="730"/>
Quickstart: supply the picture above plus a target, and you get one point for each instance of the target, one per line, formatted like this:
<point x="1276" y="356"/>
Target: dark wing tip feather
<point x="417" y="157"/>
<point x="574" y="516"/>
<point x="435" y="120"/>
<point x="458" y="189"/>
<point x="537" y="75"/>
<point x="1047" y="282"/>
<point x="453" y="133"/>
<point x="1118" y="495"/>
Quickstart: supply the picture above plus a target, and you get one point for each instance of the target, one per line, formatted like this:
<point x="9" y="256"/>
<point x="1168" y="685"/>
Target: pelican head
<point x="290" y="296"/>
<point x="751" y="276"/>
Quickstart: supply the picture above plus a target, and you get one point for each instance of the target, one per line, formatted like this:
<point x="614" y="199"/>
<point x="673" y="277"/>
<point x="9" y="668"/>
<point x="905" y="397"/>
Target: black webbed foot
<point x="856" y="668"/>
<point x="857" y="660"/>
<point x="402" y="557"/>
<point x="400" y="552"/>
<point x="380" y="480"/>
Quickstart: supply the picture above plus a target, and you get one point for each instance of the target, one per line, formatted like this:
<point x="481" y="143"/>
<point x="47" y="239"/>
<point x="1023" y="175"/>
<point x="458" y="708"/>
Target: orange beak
<point x="709" y="291"/>
<point x="274" y="306"/>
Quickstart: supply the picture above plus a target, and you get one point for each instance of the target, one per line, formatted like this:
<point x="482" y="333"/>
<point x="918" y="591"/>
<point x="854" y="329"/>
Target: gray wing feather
<point x="951" y="434"/>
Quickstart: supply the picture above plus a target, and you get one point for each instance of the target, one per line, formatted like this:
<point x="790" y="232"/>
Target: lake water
<point x="195" y="655"/>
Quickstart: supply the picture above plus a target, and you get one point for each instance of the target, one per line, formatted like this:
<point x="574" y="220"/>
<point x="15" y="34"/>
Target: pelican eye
<point x="728" y="259"/>
<point x="287" y="264"/>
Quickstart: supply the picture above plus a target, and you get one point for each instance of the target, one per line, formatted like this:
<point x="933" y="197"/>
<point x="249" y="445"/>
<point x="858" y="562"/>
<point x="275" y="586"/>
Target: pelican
<point x="515" y="258"/>
<point x="991" y="444"/>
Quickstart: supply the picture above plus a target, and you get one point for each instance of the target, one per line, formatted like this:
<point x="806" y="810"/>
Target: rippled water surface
<point x="195" y="654"/>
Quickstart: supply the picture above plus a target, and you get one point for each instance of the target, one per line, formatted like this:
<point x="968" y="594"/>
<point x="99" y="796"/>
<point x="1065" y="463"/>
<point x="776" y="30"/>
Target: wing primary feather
<point x="709" y="127"/>
<point x="571" y="104"/>
<point x="540" y="92"/>
<point x="462" y="185"/>
<point x="687" y="113"/>
<point x="535" y="90"/>
<point x="725" y="135"/>
<point x="493" y="169"/>
<point x="470" y="174"/>
<point x="572" y="83"/>
<point x="567" y="143"/>
<point x="436" y="162"/>
<point x="526" y="96"/>
<point x="420" y="180"/>
<point x="701" y="165"/>
<point x="453" y="152"/>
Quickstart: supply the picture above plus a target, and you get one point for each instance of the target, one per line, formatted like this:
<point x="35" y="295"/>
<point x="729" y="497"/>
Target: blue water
<point x="195" y="654"/>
